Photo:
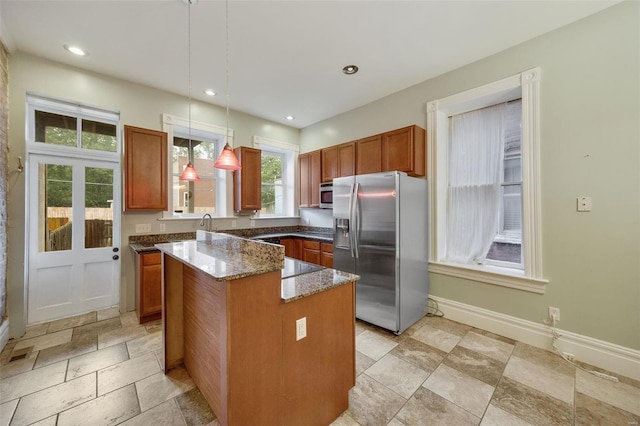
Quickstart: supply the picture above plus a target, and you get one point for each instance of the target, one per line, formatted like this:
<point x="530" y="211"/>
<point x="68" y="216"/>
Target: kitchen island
<point x="234" y="323"/>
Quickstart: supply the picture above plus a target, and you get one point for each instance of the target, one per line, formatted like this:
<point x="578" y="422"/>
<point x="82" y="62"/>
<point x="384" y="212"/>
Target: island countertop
<point x="225" y="258"/>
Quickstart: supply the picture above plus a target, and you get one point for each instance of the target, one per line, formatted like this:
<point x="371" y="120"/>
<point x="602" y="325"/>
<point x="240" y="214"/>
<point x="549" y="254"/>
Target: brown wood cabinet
<point x="404" y="150"/>
<point x="247" y="182"/>
<point x="338" y="161"/>
<point x="310" y="176"/>
<point x="311" y="251"/>
<point x="145" y="177"/>
<point x="369" y="158"/>
<point x="326" y="255"/>
<point x="289" y="247"/>
<point x="148" y="286"/>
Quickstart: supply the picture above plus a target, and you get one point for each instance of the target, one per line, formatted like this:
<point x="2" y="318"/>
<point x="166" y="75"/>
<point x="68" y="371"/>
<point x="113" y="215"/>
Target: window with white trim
<point x="202" y="142"/>
<point x="277" y="176"/>
<point x="484" y="177"/>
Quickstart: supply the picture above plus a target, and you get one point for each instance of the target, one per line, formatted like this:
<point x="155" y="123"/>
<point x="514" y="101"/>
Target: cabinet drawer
<point x="326" y="247"/>
<point x="313" y="245"/>
<point x="151" y="258"/>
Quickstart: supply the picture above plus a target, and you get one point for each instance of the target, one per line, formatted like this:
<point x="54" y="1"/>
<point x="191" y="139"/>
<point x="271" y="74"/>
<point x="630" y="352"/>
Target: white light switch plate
<point x="143" y="227"/>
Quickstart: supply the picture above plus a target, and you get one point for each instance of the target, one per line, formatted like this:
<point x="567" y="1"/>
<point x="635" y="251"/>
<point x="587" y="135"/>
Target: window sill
<point x="491" y="275"/>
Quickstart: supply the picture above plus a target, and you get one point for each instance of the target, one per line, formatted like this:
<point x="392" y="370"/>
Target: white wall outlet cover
<point x="301" y="328"/>
<point x="585" y="204"/>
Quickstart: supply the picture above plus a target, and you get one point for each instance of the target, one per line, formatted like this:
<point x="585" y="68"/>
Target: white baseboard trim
<point x="615" y="358"/>
<point x="4" y="333"/>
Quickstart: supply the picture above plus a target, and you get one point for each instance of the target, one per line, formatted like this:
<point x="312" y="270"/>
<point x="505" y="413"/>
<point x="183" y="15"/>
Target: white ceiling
<point x="285" y="57"/>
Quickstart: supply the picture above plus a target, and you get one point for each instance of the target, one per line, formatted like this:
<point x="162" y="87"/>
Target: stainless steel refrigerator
<point x="380" y="232"/>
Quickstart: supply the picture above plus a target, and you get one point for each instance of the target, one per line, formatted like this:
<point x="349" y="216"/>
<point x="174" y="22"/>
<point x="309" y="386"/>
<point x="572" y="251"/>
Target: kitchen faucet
<point x="208" y="227"/>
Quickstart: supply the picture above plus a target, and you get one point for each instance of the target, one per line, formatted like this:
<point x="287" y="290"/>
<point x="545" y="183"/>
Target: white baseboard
<point x="4" y="333"/>
<point x="615" y="358"/>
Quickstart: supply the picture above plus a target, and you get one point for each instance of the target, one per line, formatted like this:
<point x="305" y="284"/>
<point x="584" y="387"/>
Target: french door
<point x="74" y="236"/>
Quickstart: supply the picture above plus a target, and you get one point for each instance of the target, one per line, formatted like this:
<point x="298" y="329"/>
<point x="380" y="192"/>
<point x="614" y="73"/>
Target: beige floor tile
<point x="439" y="339"/>
<point x="6" y="411"/>
<point x="35" y="331"/>
<point x="463" y="390"/>
<point x="165" y="414"/>
<point x="344" y="420"/>
<point x="363" y="362"/>
<point x="129" y="319"/>
<point x="374" y="345"/>
<point x="108" y="313"/>
<point x="49" y="421"/>
<point x="50" y="401"/>
<point x="98" y="360"/>
<point x="591" y="411"/>
<point x="153" y="326"/>
<point x="395" y="422"/>
<point x="67" y="350"/>
<point x="19" y="366"/>
<point x="195" y="409"/>
<point x="428" y="408"/>
<point x="144" y="344"/>
<point x="371" y="403"/>
<point x="495" y="416"/>
<point x="398" y="375"/>
<point x="618" y="394"/>
<point x="96" y="328"/>
<point x="445" y="324"/>
<point x="32" y="381"/>
<point x="493" y="348"/>
<point x="419" y="353"/>
<point x="120" y="335"/>
<point x="475" y="364"/>
<point x="127" y="372"/>
<point x="158" y="388"/>
<point x="110" y="409"/>
<point x="45" y="341"/>
<point x="75" y="321"/>
<point x="539" y="377"/>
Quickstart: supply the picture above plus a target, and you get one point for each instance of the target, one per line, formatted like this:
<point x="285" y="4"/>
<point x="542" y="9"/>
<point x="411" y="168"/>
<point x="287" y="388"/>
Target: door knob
<point x="116" y="257"/>
<point x="116" y="249"/>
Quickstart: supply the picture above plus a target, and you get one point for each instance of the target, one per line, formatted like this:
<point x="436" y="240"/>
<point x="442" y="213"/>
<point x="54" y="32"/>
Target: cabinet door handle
<point x="116" y="257"/>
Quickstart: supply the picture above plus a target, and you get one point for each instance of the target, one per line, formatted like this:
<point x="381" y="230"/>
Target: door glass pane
<point x="55" y="207"/>
<point x="56" y="129"/>
<point x="98" y="207"/>
<point x="100" y="136"/>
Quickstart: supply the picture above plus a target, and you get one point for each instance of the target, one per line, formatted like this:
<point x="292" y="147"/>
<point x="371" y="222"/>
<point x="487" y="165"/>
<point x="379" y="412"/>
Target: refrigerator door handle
<point x="356" y="223"/>
<point x="351" y="223"/>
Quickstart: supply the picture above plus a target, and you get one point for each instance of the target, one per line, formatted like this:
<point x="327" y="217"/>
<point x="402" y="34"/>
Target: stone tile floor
<point x="102" y="368"/>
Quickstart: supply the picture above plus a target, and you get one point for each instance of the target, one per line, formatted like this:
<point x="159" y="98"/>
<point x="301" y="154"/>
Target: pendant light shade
<point x="227" y="160"/>
<point x="189" y="173"/>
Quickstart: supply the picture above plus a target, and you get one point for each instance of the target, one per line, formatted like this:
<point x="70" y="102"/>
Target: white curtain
<point x="476" y="151"/>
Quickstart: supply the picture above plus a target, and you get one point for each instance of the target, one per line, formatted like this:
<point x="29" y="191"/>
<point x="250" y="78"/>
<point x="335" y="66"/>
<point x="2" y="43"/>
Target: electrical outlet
<point x="234" y="224"/>
<point x="585" y="204"/>
<point x="554" y="313"/>
<point x="163" y="227"/>
<point x="569" y="356"/>
<point x="143" y="227"/>
<point x="252" y="222"/>
<point x="301" y="328"/>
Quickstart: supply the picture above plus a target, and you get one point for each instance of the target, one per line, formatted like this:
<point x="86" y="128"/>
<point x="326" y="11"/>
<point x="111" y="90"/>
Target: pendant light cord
<point x="226" y="26"/>
<point x="189" y="48"/>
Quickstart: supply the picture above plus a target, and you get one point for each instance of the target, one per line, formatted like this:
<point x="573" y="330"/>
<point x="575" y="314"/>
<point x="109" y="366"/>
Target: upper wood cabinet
<point x="404" y="150"/>
<point x="369" y="159"/>
<point x="145" y="177"/>
<point x="338" y="161"/>
<point x="310" y="175"/>
<point x="247" y="182"/>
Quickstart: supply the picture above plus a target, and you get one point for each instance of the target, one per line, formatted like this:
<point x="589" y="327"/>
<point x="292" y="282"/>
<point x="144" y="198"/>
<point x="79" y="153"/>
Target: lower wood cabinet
<point x="326" y="255"/>
<point x="148" y="286"/>
<point x="311" y="251"/>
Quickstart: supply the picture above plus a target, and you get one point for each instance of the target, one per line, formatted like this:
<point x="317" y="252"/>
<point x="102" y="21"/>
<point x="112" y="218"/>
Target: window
<point x="485" y="207"/>
<point x="202" y="144"/>
<point x="62" y="127"/>
<point x="277" y="170"/>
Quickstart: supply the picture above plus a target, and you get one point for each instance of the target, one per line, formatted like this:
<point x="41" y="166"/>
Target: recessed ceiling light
<point x="209" y="92"/>
<point x="350" y="69"/>
<point x="290" y="117"/>
<point x="75" y="50"/>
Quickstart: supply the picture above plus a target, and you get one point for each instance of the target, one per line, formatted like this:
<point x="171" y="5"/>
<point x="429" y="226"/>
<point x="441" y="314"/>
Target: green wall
<point x="590" y="145"/>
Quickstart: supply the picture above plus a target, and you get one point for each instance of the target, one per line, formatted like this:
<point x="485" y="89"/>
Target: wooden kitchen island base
<point x="237" y="340"/>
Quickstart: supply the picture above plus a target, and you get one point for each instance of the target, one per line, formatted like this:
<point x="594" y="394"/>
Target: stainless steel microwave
<point x="326" y="195"/>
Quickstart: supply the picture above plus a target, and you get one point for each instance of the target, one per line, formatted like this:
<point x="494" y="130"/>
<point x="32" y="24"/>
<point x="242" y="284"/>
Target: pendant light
<point x="189" y="173"/>
<point x="227" y="159"/>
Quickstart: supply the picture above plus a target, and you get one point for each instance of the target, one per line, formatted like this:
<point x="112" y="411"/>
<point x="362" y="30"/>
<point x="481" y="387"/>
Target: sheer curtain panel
<point x="476" y="153"/>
